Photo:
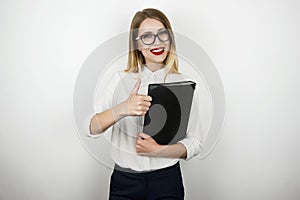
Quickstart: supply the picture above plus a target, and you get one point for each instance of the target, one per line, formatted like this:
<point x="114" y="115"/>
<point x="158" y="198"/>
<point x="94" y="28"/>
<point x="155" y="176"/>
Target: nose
<point x="156" y="40"/>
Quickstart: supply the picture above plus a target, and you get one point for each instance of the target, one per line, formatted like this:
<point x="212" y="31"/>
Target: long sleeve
<point x="103" y="100"/>
<point x="194" y="139"/>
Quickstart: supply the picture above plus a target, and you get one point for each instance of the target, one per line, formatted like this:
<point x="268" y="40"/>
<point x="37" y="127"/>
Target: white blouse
<point x="123" y="135"/>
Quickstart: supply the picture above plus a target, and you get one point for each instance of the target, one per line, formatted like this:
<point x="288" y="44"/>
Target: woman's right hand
<point x="137" y="104"/>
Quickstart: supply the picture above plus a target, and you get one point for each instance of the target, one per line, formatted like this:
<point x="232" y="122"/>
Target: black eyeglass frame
<point x="155" y="36"/>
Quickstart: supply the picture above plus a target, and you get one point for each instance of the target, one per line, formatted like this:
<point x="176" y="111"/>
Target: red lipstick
<point x="157" y="51"/>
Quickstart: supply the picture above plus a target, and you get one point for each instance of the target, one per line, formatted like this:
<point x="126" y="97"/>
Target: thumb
<point x="136" y="87"/>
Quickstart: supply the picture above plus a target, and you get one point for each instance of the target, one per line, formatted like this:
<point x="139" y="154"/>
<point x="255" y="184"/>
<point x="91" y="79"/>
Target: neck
<point x="154" y="66"/>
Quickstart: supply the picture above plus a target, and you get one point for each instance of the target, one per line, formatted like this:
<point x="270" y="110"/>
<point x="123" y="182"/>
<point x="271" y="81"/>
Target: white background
<point x="254" y="45"/>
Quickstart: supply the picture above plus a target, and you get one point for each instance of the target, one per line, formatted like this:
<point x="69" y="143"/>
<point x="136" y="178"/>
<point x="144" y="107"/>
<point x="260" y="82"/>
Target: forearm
<point x="172" y="151"/>
<point x="102" y="121"/>
<point x="147" y="146"/>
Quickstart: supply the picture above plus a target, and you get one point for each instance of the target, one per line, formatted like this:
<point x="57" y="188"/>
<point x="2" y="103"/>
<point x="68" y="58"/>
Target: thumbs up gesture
<point x="137" y="104"/>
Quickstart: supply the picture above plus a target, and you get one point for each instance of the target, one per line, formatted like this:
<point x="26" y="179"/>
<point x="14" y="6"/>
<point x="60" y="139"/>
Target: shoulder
<point x="117" y="76"/>
<point x="122" y="74"/>
<point x="121" y="80"/>
<point x="178" y="77"/>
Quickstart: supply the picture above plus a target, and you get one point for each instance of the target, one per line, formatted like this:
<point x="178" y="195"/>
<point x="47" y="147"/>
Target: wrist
<point x="158" y="152"/>
<point x="120" y="110"/>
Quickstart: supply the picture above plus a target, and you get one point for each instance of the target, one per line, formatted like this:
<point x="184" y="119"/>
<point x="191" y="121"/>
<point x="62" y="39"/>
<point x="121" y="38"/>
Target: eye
<point x="162" y="33"/>
<point x="147" y="36"/>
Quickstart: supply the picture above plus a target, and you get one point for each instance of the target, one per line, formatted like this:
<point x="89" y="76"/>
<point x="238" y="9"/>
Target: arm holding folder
<point x="166" y="122"/>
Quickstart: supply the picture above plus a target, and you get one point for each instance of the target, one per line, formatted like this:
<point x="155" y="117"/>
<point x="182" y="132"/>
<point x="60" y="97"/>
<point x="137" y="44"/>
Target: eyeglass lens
<point x="149" y="38"/>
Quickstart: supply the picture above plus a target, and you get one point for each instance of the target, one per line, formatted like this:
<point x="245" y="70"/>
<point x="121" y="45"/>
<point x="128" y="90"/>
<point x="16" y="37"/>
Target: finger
<point x="147" y="98"/>
<point x="138" y="149"/>
<point x="143" y="135"/>
<point x="146" y="104"/>
<point x="143" y="109"/>
<point x="136" y="87"/>
<point x="139" y="141"/>
<point x="139" y="113"/>
<point x="144" y="97"/>
<point x="142" y="105"/>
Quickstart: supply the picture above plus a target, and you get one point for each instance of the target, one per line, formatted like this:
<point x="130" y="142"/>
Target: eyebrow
<point x="152" y="32"/>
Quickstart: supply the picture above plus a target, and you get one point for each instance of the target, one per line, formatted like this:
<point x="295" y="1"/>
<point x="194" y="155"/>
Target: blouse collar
<point x="147" y="73"/>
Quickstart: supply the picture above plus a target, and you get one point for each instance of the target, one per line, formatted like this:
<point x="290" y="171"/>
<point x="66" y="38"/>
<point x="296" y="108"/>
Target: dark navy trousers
<point x="162" y="184"/>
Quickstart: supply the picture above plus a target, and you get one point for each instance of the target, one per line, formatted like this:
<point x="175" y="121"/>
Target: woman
<point x="152" y="58"/>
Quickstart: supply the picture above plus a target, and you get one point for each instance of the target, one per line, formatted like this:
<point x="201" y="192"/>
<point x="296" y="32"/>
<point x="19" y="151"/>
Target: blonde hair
<point x="135" y="58"/>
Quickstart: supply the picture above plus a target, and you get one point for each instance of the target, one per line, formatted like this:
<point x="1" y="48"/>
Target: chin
<point x="158" y="59"/>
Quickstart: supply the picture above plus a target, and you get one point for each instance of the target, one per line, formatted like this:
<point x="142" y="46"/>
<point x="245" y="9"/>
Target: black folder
<point x="168" y="116"/>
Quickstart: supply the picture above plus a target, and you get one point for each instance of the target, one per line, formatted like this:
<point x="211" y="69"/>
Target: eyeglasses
<point x="149" y="38"/>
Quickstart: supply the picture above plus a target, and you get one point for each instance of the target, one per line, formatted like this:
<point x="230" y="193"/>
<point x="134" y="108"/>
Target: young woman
<point x="152" y="58"/>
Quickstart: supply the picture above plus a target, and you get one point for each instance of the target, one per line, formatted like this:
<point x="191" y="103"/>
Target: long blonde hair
<point x="135" y="58"/>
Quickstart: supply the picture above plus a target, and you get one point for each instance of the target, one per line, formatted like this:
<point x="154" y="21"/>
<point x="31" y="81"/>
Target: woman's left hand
<point x="147" y="146"/>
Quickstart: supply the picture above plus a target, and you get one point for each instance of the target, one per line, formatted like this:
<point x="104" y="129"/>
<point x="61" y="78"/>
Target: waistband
<point x="128" y="170"/>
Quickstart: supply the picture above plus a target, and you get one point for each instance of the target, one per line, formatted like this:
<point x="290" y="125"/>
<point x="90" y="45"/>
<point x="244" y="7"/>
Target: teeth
<point x="157" y="50"/>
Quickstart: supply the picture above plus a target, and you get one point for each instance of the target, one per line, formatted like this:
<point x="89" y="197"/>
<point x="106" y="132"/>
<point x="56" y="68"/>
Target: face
<point x="158" y="50"/>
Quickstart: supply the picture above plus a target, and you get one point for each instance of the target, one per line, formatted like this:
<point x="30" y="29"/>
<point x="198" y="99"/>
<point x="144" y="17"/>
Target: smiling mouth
<point x="157" y="51"/>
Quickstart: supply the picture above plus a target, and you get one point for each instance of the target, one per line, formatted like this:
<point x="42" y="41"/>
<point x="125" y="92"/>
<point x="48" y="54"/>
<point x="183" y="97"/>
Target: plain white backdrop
<point x="254" y="45"/>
